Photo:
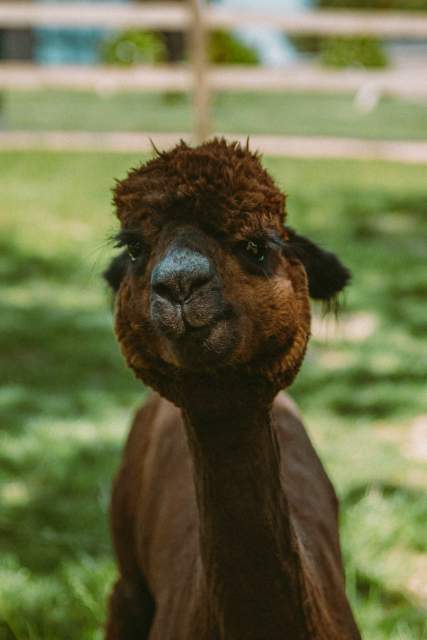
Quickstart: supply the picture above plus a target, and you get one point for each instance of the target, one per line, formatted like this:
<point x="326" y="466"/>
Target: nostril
<point x="164" y="290"/>
<point x="182" y="287"/>
<point x="198" y="281"/>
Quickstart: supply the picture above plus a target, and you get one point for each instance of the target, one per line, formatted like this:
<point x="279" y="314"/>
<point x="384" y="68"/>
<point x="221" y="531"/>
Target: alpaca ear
<point x="116" y="271"/>
<point x="326" y="274"/>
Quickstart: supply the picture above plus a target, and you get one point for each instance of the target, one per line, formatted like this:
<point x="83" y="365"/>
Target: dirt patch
<point x="356" y="327"/>
<point x="417" y="584"/>
<point x="416" y="445"/>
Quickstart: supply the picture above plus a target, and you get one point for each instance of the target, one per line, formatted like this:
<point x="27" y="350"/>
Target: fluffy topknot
<point x="223" y="184"/>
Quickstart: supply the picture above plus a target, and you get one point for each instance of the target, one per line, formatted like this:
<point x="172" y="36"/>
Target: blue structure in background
<point x="67" y="45"/>
<point x="82" y="46"/>
<point x="273" y="47"/>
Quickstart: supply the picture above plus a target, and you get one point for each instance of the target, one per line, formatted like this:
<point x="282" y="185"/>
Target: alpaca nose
<point x="180" y="273"/>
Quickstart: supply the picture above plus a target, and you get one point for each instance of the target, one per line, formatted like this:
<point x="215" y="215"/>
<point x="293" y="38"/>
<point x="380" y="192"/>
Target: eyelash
<point x="133" y="245"/>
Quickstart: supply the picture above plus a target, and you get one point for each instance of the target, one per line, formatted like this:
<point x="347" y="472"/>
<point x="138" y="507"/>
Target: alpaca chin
<point x="206" y="348"/>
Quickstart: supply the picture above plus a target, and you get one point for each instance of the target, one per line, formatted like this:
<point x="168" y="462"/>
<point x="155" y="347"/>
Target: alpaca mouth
<point x="193" y="318"/>
<point x="199" y="334"/>
<point x="205" y="346"/>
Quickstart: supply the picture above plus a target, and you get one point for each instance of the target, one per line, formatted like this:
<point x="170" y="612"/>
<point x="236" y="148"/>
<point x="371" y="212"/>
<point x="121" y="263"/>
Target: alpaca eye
<point x="256" y="250"/>
<point x="130" y="241"/>
<point x="134" y="249"/>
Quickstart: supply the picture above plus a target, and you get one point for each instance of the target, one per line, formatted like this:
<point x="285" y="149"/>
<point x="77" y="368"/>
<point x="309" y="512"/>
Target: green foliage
<point x="141" y="47"/>
<point x="352" y="52"/>
<point x="344" y="52"/>
<point x="224" y="48"/>
<point x="133" y="47"/>
<point x="66" y="397"/>
<point x="305" y="44"/>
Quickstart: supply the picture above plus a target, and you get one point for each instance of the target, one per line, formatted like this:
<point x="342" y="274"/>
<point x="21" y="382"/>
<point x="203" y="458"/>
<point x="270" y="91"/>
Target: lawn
<point x="233" y="112"/>
<point x="66" y="397"/>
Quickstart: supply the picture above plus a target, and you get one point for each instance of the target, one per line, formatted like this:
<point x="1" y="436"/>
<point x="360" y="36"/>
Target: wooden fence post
<point x="199" y="61"/>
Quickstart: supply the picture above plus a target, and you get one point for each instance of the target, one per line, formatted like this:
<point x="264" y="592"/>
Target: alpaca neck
<point x="251" y="564"/>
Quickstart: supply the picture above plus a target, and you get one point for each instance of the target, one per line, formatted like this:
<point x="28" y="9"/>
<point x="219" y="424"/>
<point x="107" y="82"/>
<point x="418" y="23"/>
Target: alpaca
<point x="224" y="520"/>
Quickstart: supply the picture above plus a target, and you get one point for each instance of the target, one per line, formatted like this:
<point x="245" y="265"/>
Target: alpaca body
<point x="224" y="520"/>
<point x="156" y="526"/>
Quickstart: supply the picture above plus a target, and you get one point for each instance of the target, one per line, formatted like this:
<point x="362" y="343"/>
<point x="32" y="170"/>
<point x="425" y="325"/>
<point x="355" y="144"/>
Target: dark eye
<point x="256" y="250"/>
<point x="134" y="249"/>
<point x="131" y="242"/>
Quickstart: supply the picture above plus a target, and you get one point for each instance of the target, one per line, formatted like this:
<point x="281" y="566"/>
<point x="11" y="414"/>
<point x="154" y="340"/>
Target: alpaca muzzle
<point x="188" y="307"/>
<point x="185" y="293"/>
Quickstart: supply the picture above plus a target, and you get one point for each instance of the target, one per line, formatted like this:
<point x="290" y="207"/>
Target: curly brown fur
<point x="221" y="505"/>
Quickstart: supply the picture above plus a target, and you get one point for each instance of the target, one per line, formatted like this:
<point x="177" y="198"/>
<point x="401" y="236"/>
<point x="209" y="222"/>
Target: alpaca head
<point x="211" y="281"/>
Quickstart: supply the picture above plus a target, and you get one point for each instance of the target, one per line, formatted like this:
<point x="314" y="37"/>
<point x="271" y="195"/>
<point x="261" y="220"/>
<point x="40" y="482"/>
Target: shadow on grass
<point x="18" y="265"/>
<point x="381" y="237"/>
<point x="61" y="363"/>
<point x="362" y="389"/>
<point x="63" y="512"/>
<point x="64" y="386"/>
<point x="387" y="489"/>
<point x="385" y="234"/>
<point x="396" y="606"/>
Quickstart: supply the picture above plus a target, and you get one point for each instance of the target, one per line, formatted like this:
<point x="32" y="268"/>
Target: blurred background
<point x="334" y="93"/>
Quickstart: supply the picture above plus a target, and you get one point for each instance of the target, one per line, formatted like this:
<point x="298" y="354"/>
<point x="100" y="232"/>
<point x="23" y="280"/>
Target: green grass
<point x="234" y="112"/>
<point x="66" y="398"/>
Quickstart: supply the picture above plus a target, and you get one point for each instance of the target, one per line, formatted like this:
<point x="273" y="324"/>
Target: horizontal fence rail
<point x="119" y="16"/>
<point x="97" y="78"/>
<point x="324" y="22"/>
<point x="391" y="82"/>
<point x="173" y="15"/>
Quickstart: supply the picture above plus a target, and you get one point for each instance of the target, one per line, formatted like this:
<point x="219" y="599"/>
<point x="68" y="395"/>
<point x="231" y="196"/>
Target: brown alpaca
<point x="224" y="520"/>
